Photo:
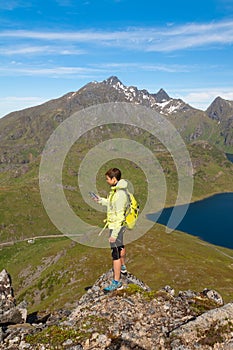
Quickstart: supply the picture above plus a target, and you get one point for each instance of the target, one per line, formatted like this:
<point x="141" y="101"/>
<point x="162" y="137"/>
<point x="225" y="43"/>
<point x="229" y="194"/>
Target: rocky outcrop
<point x="208" y="329"/>
<point x="132" y="318"/>
<point x="9" y="312"/>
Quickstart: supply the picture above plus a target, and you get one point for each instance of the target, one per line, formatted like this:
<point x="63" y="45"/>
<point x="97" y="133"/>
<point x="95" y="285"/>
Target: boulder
<point x="210" y="328"/>
<point x="213" y="295"/>
<point x="9" y="312"/>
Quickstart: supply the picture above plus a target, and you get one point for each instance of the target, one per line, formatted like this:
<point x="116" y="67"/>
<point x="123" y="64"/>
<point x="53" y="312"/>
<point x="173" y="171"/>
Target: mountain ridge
<point x="160" y="97"/>
<point x="114" y="81"/>
<point x="158" y="100"/>
<point x="24" y="133"/>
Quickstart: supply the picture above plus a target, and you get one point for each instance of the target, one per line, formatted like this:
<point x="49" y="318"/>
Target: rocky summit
<point x="132" y="318"/>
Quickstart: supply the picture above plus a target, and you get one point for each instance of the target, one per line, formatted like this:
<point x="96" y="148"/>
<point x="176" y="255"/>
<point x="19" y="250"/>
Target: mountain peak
<point x="218" y="98"/>
<point x="220" y="109"/>
<point x="113" y="80"/>
<point x="160" y="101"/>
<point x="162" y="96"/>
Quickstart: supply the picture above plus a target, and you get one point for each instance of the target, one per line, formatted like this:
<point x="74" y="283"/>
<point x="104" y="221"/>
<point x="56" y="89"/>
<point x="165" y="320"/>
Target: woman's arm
<point x="103" y="201"/>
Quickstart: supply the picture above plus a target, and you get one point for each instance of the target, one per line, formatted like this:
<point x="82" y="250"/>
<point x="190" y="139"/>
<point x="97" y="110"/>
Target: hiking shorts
<point x="117" y="246"/>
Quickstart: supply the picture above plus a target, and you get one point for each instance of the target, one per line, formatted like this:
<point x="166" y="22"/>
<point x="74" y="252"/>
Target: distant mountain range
<point x="23" y="133"/>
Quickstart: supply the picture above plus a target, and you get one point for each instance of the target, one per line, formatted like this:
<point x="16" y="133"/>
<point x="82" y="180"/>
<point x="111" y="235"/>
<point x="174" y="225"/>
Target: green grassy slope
<point x="22" y="213"/>
<point x="53" y="273"/>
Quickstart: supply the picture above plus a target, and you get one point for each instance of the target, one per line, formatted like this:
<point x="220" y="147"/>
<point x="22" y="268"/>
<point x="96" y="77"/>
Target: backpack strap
<point x="106" y="220"/>
<point x="127" y="208"/>
<point x="105" y="226"/>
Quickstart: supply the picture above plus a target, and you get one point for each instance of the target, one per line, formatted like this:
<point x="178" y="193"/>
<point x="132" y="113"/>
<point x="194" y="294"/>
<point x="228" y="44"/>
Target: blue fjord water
<point x="230" y="157"/>
<point x="211" y="219"/>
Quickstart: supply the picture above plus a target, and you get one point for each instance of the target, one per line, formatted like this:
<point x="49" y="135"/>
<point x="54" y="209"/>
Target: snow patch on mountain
<point x="171" y="106"/>
<point x="160" y="101"/>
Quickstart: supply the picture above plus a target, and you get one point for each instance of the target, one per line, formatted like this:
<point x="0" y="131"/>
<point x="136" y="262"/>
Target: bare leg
<point x="117" y="269"/>
<point x="123" y="256"/>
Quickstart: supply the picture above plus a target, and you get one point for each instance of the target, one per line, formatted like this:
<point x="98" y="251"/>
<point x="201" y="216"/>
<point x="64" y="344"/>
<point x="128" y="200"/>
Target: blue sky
<point x="53" y="47"/>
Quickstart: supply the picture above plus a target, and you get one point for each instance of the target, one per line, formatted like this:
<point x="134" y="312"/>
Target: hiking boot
<point x="123" y="269"/>
<point x="115" y="285"/>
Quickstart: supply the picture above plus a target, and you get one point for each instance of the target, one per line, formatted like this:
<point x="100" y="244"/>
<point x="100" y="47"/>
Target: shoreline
<point x="198" y="199"/>
<point x="206" y="242"/>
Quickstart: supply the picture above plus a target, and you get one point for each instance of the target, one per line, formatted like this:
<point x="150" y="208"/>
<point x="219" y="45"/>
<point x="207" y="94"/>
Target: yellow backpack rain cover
<point x="132" y="211"/>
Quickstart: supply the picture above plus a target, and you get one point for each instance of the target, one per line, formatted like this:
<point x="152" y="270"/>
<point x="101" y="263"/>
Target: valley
<point x="42" y="270"/>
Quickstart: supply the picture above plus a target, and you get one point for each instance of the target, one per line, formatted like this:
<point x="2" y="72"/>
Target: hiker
<point x="116" y="203"/>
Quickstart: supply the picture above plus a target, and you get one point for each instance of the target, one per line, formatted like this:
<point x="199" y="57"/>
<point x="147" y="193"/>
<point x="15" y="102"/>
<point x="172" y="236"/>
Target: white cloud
<point x="194" y="35"/>
<point x="17" y="68"/>
<point x="202" y="99"/>
<point x="54" y="72"/>
<point x="165" y="68"/>
<point x="42" y="50"/>
<point x="146" y="67"/>
<point x="170" y="38"/>
<point x="13" y="4"/>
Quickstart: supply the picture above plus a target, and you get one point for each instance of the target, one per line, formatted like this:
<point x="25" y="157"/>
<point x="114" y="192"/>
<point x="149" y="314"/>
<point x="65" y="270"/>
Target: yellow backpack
<point x="132" y="211"/>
